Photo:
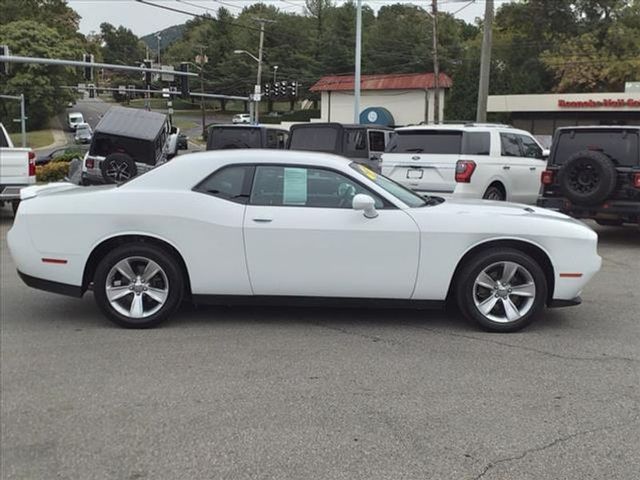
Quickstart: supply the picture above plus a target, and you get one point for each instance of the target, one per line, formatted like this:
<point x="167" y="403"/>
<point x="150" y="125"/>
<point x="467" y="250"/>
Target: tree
<point x="120" y="45"/>
<point x="39" y="83"/>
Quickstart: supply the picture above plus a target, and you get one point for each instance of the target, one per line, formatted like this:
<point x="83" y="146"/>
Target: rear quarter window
<point x="476" y="143"/>
<point x="622" y="146"/>
<point x="319" y="139"/>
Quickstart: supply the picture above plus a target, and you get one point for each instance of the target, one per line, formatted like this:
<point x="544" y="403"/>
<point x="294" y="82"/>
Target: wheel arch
<point x="500" y="183"/>
<point x="104" y="246"/>
<point x="533" y="250"/>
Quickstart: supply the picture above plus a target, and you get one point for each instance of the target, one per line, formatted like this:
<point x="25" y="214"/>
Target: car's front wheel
<point x="501" y="289"/>
<point x="138" y="285"/>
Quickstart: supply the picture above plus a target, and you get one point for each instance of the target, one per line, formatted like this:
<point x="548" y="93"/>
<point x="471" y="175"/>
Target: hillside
<point x="168" y="36"/>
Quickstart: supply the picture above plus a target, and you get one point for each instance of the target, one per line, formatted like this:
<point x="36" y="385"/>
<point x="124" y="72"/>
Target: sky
<point x="144" y="19"/>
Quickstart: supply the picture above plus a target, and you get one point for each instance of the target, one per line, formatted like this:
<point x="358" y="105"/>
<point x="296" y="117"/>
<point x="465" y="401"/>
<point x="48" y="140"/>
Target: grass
<point x="35" y="139"/>
<point x="184" y="124"/>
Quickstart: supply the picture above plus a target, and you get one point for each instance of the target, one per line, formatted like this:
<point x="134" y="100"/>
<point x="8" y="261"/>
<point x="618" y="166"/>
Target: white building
<point x="408" y="98"/>
<point x="542" y="114"/>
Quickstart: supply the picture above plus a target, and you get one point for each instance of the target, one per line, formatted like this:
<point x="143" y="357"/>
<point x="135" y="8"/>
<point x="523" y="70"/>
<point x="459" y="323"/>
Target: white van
<point x="74" y="119"/>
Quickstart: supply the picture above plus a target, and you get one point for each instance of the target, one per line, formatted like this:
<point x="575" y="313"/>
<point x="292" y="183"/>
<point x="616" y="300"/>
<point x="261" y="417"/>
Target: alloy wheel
<point x="118" y="171"/>
<point x="504" y="292"/>
<point x="137" y="287"/>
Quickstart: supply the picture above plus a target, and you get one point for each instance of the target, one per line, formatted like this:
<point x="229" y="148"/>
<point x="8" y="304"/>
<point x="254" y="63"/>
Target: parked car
<point x="284" y="226"/>
<point x="183" y="142"/>
<point x="74" y="119"/>
<point x="594" y="172"/>
<point x="241" y="118"/>
<point x="83" y="133"/>
<point x="127" y="142"/>
<point x="362" y="143"/>
<point x="494" y="162"/>
<point x="17" y="170"/>
<point x="78" y="151"/>
<point x="223" y="137"/>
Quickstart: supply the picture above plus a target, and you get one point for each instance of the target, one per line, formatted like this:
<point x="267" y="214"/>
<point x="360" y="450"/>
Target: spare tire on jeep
<point x="118" y="168"/>
<point x="587" y="177"/>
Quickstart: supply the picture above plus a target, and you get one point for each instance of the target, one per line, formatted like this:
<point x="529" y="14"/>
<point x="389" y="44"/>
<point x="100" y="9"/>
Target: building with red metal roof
<point x="408" y="97"/>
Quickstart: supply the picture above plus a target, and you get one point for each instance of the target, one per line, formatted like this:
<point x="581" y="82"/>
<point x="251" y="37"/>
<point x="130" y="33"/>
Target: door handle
<point x="533" y="169"/>
<point x="506" y="167"/>
<point x="263" y="220"/>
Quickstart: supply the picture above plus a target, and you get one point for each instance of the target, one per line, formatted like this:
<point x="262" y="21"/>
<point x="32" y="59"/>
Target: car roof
<point x="600" y="127"/>
<point x="462" y="127"/>
<point x="235" y="125"/>
<point x="185" y="171"/>
<point x="131" y="122"/>
<point x="340" y="125"/>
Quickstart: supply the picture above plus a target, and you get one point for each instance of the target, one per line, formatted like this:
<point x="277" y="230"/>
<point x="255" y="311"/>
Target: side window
<point x="282" y="140"/>
<point x="272" y="139"/>
<point x="355" y="143"/>
<point x="529" y="147"/>
<point x="3" y="140"/>
<point x="476" y="143"/>
<point x="510" y="145"/>
<point x="305" y="187"/>
<point x="231" y="183"/>
<point x="376" y="141"/>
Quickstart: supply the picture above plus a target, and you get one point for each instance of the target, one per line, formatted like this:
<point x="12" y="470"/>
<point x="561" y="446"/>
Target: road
<point x="283" y="393"/>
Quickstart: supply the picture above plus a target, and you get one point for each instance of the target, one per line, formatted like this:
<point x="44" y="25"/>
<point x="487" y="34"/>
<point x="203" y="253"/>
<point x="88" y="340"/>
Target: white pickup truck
<point x="17" y="170"/>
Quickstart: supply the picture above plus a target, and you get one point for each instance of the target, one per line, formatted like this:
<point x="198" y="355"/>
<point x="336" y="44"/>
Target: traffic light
<point x="88" y="71"/>
<point x="283" y="89"/>
<point x="267" y="90"/>
<point x="293" y="89"/>
<point x="184" y="81"/>
<point x="4" y="66"/>
<point x="147" y="75"/>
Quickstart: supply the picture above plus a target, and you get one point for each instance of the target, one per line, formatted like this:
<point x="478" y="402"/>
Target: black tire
<point x="118" y="168"/>
<point x="588" y="178"/>
<point x="467" y="292"/>
<point x="494" y="192"/>
<point x="171" y="277"/>
<point x="14" y="206"/>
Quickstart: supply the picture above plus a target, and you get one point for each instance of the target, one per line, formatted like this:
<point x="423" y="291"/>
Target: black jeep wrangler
<point x="594" y="172"/>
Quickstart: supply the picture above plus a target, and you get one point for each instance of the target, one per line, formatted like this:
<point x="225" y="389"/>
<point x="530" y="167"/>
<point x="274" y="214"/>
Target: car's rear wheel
<point x="501" y="289"/>
<point x="494" y="192"/>
<point x="138" y="285"/>
<point x="118" y="168"/>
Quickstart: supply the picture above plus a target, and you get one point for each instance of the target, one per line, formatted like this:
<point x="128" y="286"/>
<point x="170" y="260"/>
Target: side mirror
<point x="545" y="154"/>
<point x="366" y="204"/>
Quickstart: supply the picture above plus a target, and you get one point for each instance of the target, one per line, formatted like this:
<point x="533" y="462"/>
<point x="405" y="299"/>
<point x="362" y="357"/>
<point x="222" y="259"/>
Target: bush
<point x="297" y="116"/>
<point x="52" y="172"/>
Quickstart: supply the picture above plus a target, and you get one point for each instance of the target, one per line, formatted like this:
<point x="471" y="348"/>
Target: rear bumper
<point x="50" y="286"/>
<point x="611" y="209"/>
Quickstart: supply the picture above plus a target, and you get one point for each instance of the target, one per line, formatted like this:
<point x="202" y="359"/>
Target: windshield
<point x="221" y="138"/>
<point x="395" y="189"/>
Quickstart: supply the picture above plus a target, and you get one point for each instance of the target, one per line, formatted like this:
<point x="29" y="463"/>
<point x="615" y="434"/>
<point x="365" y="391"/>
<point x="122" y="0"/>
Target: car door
<point x="302" y="238"/>
<point x="536" y="163"/>
<point x="515" y="168"/>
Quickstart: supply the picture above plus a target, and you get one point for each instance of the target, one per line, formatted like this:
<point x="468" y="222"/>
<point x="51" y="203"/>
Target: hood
<point x="493" y="207"/>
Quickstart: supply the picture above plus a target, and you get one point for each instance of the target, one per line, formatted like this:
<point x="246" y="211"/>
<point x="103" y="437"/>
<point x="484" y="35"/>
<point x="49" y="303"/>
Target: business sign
<point x="604" y="103"/>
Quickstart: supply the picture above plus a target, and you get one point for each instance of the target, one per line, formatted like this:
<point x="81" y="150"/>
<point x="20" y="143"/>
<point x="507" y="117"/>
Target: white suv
<point x="494" y="162"/>
<point x="241" y="118"/>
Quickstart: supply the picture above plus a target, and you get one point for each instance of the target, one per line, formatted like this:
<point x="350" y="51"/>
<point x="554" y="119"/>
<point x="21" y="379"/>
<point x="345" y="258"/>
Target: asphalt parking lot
<point x="283" y="393"/>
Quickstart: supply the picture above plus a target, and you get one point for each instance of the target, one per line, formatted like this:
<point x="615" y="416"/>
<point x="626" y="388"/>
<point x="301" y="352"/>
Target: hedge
<point x="52" y="172"/>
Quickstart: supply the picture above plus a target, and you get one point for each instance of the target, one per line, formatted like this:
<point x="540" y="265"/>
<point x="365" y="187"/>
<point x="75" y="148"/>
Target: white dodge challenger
<point x="286" y="226"/>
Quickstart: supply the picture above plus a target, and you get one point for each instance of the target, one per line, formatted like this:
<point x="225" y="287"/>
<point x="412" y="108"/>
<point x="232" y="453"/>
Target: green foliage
<point x="52" y="172"/>
<point x="297" y="116"/>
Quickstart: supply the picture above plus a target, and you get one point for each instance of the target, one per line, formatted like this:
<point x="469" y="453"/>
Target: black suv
<point x="594" y="172"/>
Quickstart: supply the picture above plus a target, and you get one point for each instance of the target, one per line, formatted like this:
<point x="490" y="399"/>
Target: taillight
<point x="89" y="163"/>
<point x="464" y="170"/>
<point x="547" y="177"/>
<point x="32" y="164"/>
<point x="636" y="180"/>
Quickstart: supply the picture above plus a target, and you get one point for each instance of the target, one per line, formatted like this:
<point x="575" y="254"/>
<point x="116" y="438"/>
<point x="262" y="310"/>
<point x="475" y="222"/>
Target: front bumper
<point x="565" y="303"/>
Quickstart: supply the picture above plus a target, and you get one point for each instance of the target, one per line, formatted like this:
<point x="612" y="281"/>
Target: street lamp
<point x="275" y="71"/>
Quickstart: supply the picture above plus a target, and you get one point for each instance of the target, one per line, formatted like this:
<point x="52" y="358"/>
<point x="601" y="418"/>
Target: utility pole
<point x="436" y="63"/>
<point x="201" y="62"/>
<point x="485" y="63"/>
<point x="158" y="36"/>
<point x="23" y="127"/>
<point x="257" y="90"/>
<point x="356" y="79"/>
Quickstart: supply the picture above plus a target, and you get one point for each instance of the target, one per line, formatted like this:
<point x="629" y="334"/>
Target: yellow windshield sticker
<point x="368" y="172"/>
